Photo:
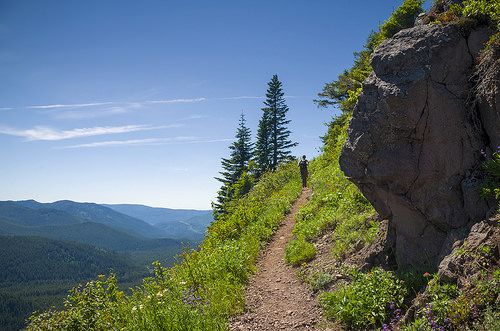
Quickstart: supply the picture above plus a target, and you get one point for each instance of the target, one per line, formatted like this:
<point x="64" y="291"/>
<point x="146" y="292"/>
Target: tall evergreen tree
<point x="235" y="166"/>
<point x="273" y="137"/>
<point x="262" y="148"/>
<point x="241" y="149"/>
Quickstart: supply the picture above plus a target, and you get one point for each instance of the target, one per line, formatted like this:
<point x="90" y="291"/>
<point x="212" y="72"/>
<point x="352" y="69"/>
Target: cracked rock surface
<point x="414" y="141"/>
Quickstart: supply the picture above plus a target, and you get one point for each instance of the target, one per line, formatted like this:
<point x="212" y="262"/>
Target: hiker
<point x="303" y="163"/>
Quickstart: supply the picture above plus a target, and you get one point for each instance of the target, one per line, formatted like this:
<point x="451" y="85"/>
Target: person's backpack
<point x="303" y="165"/>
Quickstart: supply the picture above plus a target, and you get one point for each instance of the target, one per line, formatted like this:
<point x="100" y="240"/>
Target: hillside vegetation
<point x="206" y="286"/>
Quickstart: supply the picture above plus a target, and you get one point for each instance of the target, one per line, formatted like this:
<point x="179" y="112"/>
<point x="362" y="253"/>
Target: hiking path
<point x="275" y="298"/>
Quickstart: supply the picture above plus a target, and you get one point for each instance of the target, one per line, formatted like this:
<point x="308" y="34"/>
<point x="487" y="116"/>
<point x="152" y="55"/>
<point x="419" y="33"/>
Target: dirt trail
<point x="275" y="298"/>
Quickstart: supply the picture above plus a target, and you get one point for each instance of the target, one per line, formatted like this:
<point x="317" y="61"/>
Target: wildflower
<point x="134" y="309"/>
<point x="427" y="274"/>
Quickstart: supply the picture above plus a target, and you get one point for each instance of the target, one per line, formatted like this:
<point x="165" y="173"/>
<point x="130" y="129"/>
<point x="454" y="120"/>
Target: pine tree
<point x="273" y="138"/>
<point x="241" y="149"/>
<point x="262" y="148"/>
<point x="234" y="167"/>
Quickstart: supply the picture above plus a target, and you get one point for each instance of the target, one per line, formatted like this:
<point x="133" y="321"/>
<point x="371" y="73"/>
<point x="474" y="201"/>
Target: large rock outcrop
<point x="414" y="140"/>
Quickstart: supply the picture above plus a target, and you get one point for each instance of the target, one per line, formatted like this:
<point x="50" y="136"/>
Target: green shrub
<point x="319" y="279"/>
<point x="452" y="309"/>
<point x="490" y="320"/>
<point x="490" y="188"/>
<point x="299" y="251"/>
<point x="369" y="301"/>
<point x="485" y="11"/>
<point x="468" y="14"/>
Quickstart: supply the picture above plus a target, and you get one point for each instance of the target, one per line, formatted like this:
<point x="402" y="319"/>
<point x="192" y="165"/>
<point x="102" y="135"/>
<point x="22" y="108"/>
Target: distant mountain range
<point x="179" y="224"/>
<point x="107" y="228"/>
<point x="75" y="213"/>
<point x="154" y="215"/>
<point x="48" y="248"/>
<point x="34" y="218"/>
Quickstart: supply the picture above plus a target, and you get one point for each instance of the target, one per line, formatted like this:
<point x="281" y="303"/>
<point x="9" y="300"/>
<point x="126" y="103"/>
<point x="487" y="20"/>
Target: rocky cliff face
<point x="415" y="140"/>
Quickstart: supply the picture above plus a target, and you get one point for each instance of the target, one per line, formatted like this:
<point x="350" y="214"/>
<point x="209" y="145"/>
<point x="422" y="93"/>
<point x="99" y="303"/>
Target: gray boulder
<point x="414" y="141"/>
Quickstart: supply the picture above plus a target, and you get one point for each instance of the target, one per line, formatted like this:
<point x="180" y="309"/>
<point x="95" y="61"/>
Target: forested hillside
<point x="37" y="273"/>
<point x="25" y="259"/>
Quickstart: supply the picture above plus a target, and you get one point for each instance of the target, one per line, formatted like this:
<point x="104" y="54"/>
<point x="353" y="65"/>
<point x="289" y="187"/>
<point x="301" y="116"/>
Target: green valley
<point x="46" y="249"/>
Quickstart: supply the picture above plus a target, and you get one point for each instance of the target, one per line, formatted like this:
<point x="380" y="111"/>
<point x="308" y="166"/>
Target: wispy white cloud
<point x="209" y="141"/>
<point x="193" y="117"/>
<point x="239" y="98"/>
<point x="67" y="111"/>
<point x="77" y="105"/>
<point x="47" y="133"/>
<point x="138" y="104"/>
<point x="87" y="114"/>
<point x="120" y="104"/>
<point x="132" y="142"/>
<point x="146" y="142"/>
<point x="177" y="100"/>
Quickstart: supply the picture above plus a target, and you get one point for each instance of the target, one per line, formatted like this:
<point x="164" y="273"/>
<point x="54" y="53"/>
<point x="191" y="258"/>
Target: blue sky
<point x="137" y="101"/>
